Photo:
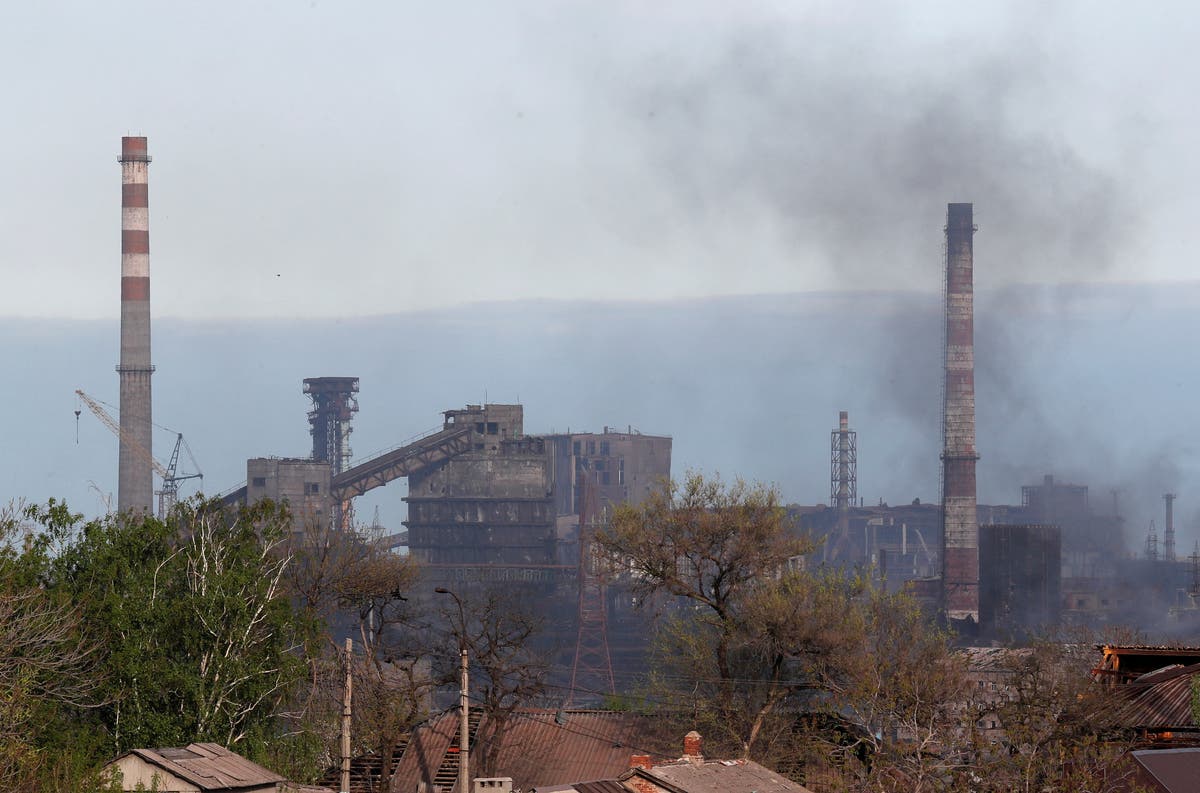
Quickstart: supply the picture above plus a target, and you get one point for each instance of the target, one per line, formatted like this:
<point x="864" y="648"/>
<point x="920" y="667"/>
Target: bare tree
<point x="507" y="670"/>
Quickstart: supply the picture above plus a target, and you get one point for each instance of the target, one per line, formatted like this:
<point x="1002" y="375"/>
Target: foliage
<point x="352" y="585"/>
<point x="195" y="634"/>
<point x="48" y="663"/>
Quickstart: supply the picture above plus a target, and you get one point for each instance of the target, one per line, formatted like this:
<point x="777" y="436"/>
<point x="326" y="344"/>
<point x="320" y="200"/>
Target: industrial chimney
<point x="135" y="483"/>
<point x="1169" y="528"/>
<point x="960" y="527"/>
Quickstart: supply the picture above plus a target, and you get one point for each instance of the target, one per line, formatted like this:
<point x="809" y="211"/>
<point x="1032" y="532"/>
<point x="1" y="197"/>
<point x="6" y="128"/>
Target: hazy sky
<point x="341" y="158"/>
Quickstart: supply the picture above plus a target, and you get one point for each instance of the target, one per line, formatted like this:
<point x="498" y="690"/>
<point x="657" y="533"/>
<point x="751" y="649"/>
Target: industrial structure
<point x="843" y="485"/>
<point x="1020" y="579"/>
<point x="334" y="405"/>
<point x="135" y="484"/>
<point x="960" y="527"/>
<point x="1169" y="528"/>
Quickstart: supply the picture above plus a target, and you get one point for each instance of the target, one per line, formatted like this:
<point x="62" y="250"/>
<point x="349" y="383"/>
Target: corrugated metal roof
<point x="1176" y="770"/>
<point x="210" y="766"/>
<point x="1161" y="701"/>
<point x="723" y="776"/>
<point x="537" y="749"/>
<point x="600" y="786"/>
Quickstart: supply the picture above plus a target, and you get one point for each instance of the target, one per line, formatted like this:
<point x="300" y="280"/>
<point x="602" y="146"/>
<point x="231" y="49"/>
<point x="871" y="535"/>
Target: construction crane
<point x="168" y="497"/>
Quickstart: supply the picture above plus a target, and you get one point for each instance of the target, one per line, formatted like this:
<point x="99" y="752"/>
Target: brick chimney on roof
<point x="691" y="747"/>
<point x="640" y="761"/>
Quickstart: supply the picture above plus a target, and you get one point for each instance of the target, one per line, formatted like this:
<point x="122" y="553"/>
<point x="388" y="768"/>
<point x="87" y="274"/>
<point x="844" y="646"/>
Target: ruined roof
<point x="1158" y="701"/>
<point x="993" y="659"/>
<point x="209" y="766"/>
<point x="719" y="776"/>
<point x="541" y="747"/>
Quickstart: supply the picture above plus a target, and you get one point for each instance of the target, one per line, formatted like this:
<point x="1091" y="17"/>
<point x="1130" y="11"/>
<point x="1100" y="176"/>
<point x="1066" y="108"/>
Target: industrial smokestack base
<point x="960" y="526"/>
<point x="135" y="478"/>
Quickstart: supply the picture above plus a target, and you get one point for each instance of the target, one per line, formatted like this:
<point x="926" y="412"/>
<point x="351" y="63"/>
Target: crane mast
<point x="168" y="497"/>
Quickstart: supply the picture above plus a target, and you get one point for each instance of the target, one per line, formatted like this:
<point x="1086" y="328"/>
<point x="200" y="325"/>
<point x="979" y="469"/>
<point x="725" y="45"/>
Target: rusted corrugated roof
<point x="210" y="766"/>
<point x="1160" y="701"/>
<point x="722" y="776"/>
<point x="541" y="747"/>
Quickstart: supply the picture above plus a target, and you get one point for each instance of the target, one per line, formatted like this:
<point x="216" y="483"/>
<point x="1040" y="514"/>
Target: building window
<point x="578" y="447"/>
<point x="604" y="448"/>
<point x="493" y="428"/>
<point x="621" y="471"/>
<point x="312" y="488"/>
<point x="479" y="427"/>
<point x="258" y="481"/>
<point x="591" y="447"/>
<point x="604" y="478"/>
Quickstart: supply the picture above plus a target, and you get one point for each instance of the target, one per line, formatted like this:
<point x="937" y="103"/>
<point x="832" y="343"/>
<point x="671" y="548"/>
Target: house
<point x="198" y="768"/>
<point x="540" y="747"/>
<point x="691" y="773"/>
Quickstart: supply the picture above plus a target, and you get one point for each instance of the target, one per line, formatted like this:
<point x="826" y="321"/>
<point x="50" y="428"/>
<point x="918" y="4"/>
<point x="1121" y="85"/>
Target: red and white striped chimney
<point x="960" y="525"/>
<point x="135" y="482"/>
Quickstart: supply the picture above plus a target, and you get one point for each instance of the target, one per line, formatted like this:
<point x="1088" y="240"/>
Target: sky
<point x="327" y="159"/>
<point x="609" y="176"/>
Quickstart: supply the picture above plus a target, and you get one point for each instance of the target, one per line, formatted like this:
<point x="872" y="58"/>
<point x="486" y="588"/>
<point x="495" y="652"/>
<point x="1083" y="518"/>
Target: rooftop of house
<point x="208" y="766"/>
<point x="697" y="775"/>
<point x="541" y="747"/>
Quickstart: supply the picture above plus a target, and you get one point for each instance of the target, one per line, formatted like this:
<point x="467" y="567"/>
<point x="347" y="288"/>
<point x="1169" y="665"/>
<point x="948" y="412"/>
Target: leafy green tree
<point x="197" y="639"/>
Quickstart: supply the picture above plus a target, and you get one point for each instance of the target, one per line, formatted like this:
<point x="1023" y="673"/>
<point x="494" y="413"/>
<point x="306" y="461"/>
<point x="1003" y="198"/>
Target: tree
<point x="350" y="584"/>
<point x="197" y="639"/>
<point x="729" y="649"/>
<point x="904" y="688"/>
<point x="1055" y="734"/>
<point x="506" y="669"/>
<point x="47" y="662"/>
<point x="704" y="542"/>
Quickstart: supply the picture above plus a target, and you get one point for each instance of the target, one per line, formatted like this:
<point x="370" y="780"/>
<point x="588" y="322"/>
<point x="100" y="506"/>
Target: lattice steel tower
<point x="843" y="465"/>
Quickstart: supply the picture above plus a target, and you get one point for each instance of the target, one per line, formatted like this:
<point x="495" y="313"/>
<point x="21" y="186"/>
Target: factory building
<point x="622" y="466"/>
<point x="302" y="484"/>
<point x="1020" y="578"/>
<point x="490" y="508"/>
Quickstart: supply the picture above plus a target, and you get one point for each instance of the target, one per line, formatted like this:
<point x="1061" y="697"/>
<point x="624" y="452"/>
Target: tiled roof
<point x="210" y="766"/>
<point x="722" y="776"/>
<point x="538" y="750"/>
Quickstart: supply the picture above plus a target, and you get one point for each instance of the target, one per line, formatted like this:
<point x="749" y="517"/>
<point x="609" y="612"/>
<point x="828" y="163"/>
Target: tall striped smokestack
<point x="135" y="483"/>
<point x="960" y="525"/>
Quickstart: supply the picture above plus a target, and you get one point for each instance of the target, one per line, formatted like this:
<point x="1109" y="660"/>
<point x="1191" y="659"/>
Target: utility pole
<point x="464" y="738"/>
<point x="464" y="755"/>
<point x="345" y="787"/>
